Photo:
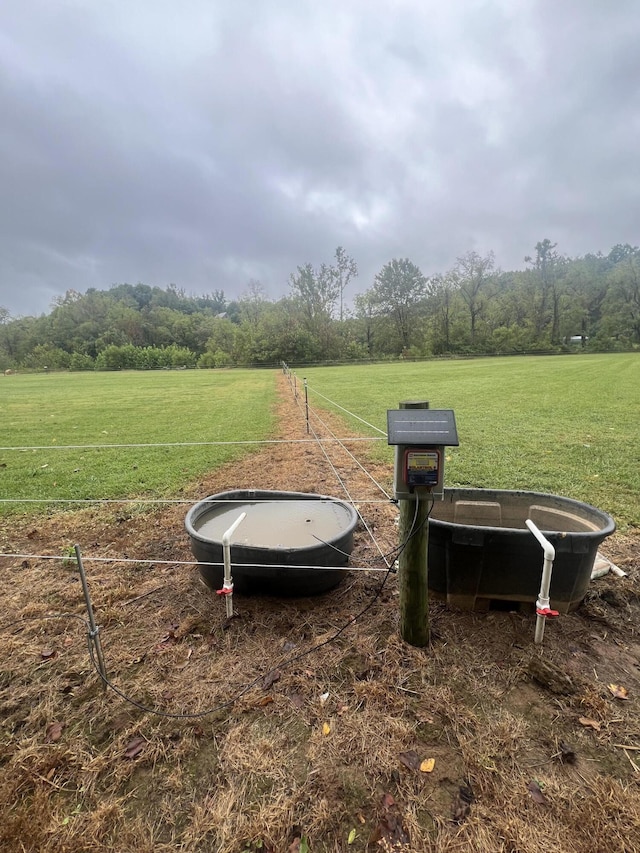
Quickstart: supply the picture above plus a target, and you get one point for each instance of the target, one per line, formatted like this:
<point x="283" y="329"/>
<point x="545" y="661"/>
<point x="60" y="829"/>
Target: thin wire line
<point x="360" y="516"/>
<point x="144" y="562"/>
<point x="287" y="662"/>
<point x="168" y="500"/>
<point x="229" y="702"/>
<point x="357" y="417"/>
<point x="357" y="461"/>
<point x="181" y="444"/>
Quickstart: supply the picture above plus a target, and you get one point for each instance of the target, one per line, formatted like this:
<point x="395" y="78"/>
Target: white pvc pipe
<point x="227" y="586"/>
<point x="542" y="604"/>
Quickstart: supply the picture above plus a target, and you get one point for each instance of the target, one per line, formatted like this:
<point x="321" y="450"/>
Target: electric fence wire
<point x="27" y="448"/>
<point x="346" y="490"/>
<point x="395" y="552"/>
<point x="147" y="562"/>
<point x="351" y="414"/>
<point x="287" y="662"/>
<point x="153" y="501"/>
<point x="349" y="453"/>
<point x="193" y="715"/>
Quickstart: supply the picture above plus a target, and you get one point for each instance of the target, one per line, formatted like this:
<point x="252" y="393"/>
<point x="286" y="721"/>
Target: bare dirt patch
<point x="327" y="750"/>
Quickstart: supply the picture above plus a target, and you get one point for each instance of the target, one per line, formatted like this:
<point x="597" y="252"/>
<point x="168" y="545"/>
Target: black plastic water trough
<point x="481" y="552"/>
<point x="282" y="532"/>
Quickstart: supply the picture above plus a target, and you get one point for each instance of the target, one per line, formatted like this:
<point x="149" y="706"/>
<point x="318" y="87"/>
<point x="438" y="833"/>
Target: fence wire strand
<point x="346" y="490"/>
<point x="351" y="414"/>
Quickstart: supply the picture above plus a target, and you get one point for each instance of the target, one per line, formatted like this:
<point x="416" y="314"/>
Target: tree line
<point x="556" y="303"/>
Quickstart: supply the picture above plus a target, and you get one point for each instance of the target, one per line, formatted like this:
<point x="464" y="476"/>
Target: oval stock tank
<point x="481" y="553"/>
<point x="290" y="543"/>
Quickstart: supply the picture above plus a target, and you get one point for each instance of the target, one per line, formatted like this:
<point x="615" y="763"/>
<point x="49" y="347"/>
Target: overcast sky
<point x="206" y="143"/>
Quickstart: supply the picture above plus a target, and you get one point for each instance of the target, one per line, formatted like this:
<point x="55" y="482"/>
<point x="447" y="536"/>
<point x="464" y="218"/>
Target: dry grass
<point x="266" y="770"/>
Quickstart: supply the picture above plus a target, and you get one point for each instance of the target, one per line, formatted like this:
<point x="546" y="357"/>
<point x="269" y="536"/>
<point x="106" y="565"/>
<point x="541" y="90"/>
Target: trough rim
<point x="247" y="494"/>
<point x="602" y="533"/>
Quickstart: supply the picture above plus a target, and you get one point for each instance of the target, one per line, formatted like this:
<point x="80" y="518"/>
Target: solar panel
<point x="422" y="426"/>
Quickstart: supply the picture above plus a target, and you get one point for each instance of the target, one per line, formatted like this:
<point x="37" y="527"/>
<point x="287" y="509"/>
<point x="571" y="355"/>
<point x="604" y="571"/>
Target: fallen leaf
<point x="536" y="793"/>
<point x="134" y="747"/>
<point x="589" y="723"/>
<point x="352" y="836"/>
<point x="54" y="731"/>
<point x="427" y="765"/>
<point x="618" y="691"/>
<point x="266" y="700"/>
<point x="390" y="834"/>
<point x="270" y="679"/>
<point x="47" y="654"/>
<point x="410" y="759"/>
<point x="326" y="729"/>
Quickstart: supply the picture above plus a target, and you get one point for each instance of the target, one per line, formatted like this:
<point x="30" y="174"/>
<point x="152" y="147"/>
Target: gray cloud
<point x="211" y="143"/>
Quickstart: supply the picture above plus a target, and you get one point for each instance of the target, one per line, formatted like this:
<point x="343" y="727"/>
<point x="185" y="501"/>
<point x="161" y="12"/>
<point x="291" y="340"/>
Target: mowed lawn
<point x="569" y="425"/>
<point x="53" y="411"/>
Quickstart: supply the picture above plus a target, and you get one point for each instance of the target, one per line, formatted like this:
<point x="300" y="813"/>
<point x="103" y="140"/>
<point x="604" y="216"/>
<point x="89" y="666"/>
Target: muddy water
<point x="276" y="524"/>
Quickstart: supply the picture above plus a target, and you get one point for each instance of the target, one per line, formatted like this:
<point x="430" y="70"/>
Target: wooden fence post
<point x="413" y="531"/>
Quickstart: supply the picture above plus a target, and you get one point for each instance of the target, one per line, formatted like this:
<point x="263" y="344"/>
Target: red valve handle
<point x="227" y="590"/>
<point x="546" y="611"/>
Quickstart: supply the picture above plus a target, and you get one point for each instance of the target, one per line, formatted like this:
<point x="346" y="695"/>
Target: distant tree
<point x="366" y="317"/>
<point x="622" y="252"/>
<point x="473" y="272"/>
<point x="400" y="291"/>
<point x="222" y="338"/>
<point x="316" y="292"/>
<point x="344" y="269"/>
<point x="252" y="302"/>
<point x="623" y="298"/>
<point x="549" y="267"/>
<point x="444" y="291"/>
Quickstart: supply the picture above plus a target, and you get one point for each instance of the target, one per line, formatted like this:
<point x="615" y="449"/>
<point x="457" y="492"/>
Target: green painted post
<point x="413" y="529"/>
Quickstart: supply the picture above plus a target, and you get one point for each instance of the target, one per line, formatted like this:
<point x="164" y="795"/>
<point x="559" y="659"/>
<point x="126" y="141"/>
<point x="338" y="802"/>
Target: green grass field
<point x="567" y="425"/>
<point x="59" y="409"/>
